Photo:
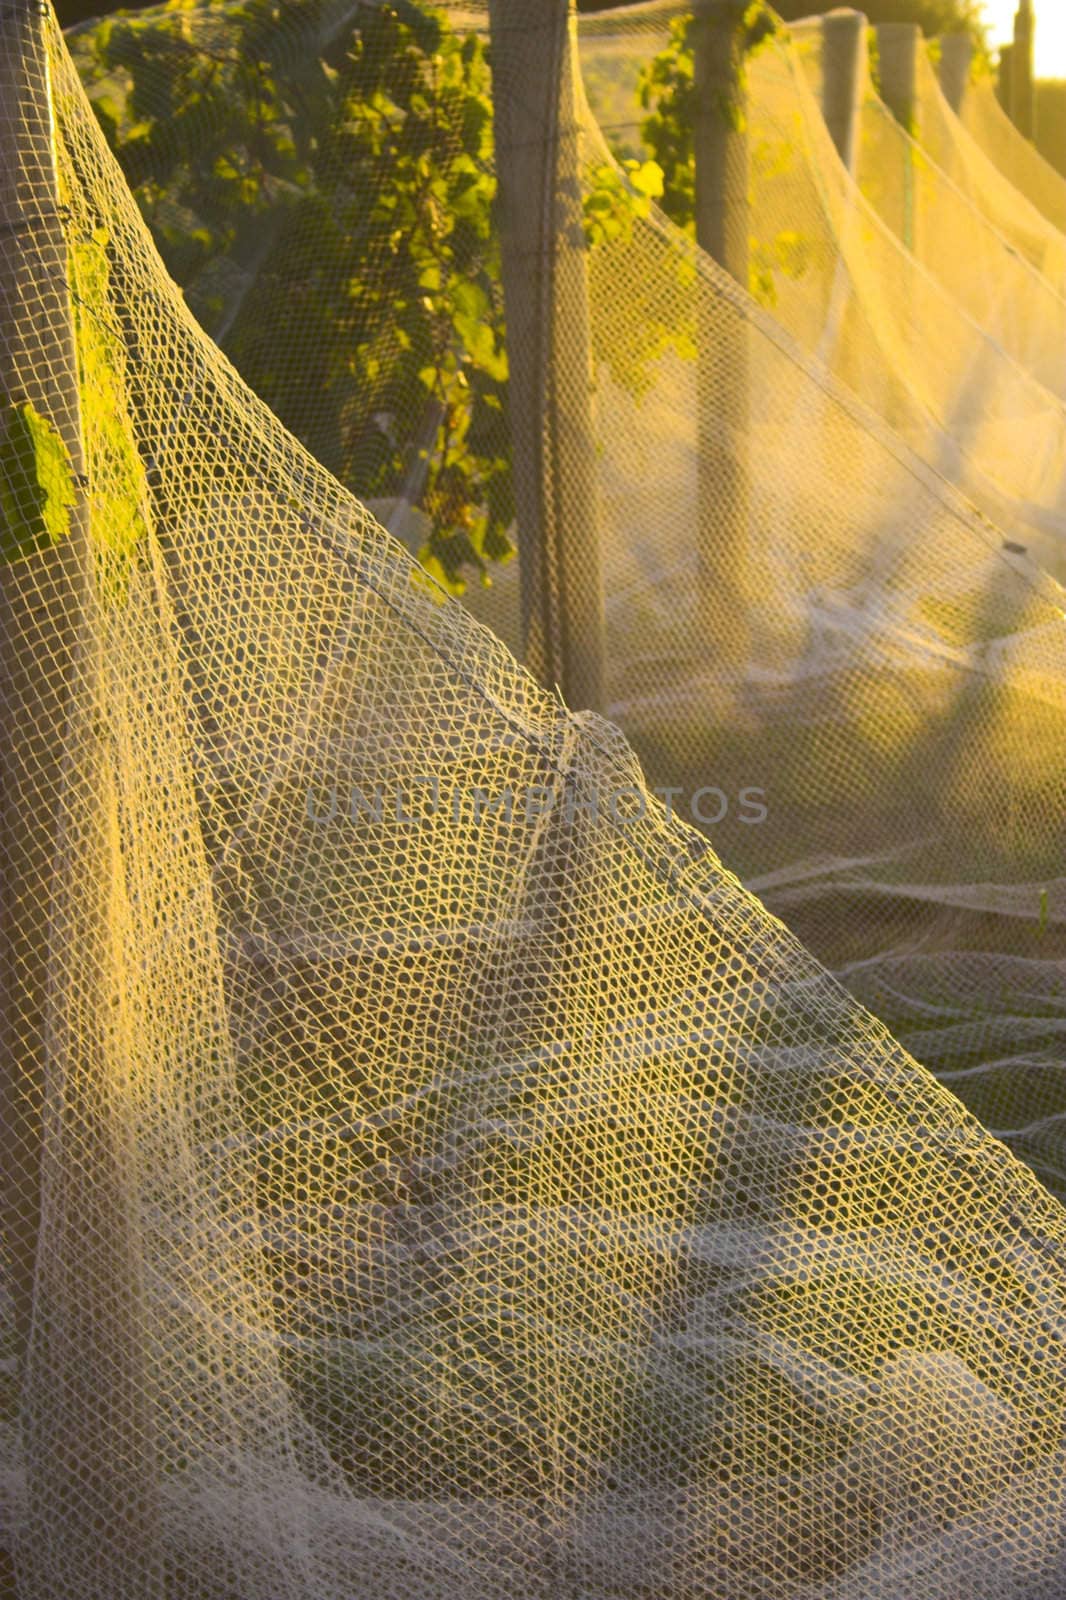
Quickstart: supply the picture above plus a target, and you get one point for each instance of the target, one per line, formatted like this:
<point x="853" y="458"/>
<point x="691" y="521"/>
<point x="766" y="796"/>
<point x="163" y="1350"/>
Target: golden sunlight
<point x="1050" y="32"/>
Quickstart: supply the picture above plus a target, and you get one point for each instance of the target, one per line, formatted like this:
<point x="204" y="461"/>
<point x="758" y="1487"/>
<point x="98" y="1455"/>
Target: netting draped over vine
<point x="1002" y="262"/>
<point x="935" y="291"/>
<point x="894" y="279"/>
<point x="431" y="1174"/>
<point x="1016" y="158"/>
<point x="896" y="690"/>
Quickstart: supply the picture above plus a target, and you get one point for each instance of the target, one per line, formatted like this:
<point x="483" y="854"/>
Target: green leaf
<point x="647" y="179"/>
<point x="470" y="300"/>
<point x="120" y="490"/>
<point x="386" y="144"/>
<point x="479" y="340"/>
<point x="37" y="492"/>
<point x="443" y="579"/>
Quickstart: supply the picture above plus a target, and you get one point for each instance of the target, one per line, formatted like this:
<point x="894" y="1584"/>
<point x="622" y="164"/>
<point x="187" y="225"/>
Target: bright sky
<point x="1050" y="32"/>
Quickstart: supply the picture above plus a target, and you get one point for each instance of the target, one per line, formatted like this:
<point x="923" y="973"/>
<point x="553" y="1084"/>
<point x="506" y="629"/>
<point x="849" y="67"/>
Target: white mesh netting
<point x="1016" y="158"/>
<point x="893" y="278"/>
<point x="428" y="1171"/>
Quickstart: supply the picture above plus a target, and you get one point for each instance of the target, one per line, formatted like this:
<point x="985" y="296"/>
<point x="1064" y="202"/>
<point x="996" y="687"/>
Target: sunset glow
<point x="1050" y="32"/>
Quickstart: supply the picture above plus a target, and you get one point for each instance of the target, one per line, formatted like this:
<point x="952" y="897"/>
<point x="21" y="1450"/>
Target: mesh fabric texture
<point x="454" y="1198"/>
<point x="1016" y="158"/>
<point x="876" y="659"/>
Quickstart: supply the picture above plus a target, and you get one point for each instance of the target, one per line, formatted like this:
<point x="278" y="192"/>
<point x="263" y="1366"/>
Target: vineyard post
<point x="843" y="45"/>
<point x="537" y="118"/>
<point x="82" y="1419"/>
<point x="956" y="59"/>
<point x="898" y="44"/>
<point x="37" y="364"/>
<point x="1023" y="89"/>
<point x="723" y="230"/>
<point x="1005" y="80"/>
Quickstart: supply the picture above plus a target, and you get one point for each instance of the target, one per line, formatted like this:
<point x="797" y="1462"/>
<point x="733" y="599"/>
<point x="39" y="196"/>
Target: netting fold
<point x="1015" y="157"/>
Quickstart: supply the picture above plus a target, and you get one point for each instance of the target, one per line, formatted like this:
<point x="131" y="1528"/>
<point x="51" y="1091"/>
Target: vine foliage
<point x="328" y="209"/>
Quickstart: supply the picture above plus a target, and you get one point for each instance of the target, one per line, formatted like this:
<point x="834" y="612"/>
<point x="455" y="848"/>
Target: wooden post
<point x="90" y="1523"/>
<point x="1023" y="91"/>
<point x="723" y="230"/>
<point x="956" y="59"/>
<point x="898" y="44"/>
<point x="37" y="363"/>
<point x="1005" y="80"/>
<point x="843" y="44"/>
<point x="550" y="388"/>
<point x="721" y="135"/>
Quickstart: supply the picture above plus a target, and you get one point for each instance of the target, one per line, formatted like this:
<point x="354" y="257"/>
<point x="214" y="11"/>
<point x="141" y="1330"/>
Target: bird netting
<point x="966" y="225"/>
<point x="1034" y="235"/>
<point x="891" y="278"/>
<point x="903" y="287"/>
<point x="1018" y="160"/>
<point x="861" y="698"/>
<point x="428" y="1171"/>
